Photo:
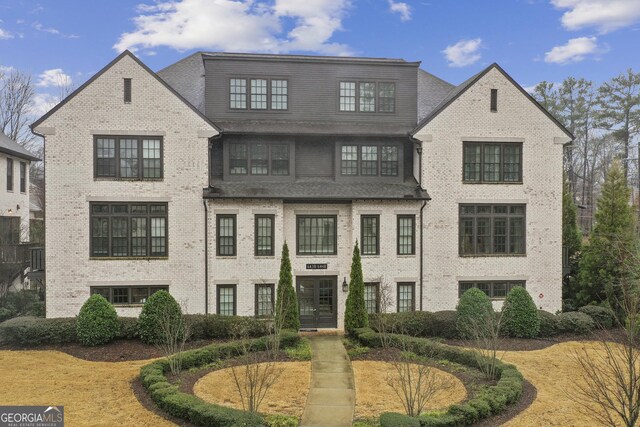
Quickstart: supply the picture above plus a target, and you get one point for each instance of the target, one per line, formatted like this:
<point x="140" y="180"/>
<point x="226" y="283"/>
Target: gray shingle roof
<point x="306" y="58"/>
<point x="317" y="190"/>
<point x="187" y="78"/>
<point x="9" y="146"/>
<point x="281" y="127"/>
<point x="431" y="91"/>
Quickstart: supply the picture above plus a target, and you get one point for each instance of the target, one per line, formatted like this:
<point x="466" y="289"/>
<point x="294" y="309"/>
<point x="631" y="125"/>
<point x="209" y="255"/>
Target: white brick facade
<point x="518" y="120"/>
<point x="99" y="109"/>
<point x="15" y="203"/>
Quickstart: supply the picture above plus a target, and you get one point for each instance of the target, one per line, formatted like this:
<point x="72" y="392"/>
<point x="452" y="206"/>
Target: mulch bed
<point x="115" y="351"/>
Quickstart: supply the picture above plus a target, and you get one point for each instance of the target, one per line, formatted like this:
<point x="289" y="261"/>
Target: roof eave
<point x="19" y="155"/>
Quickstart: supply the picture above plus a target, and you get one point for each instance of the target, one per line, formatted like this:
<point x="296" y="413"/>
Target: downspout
<point x="424" y="204"/>
<point x="206" y="257"/>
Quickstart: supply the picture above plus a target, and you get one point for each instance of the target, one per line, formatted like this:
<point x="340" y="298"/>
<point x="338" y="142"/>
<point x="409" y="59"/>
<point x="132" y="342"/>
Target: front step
<point x="314" y="332"/>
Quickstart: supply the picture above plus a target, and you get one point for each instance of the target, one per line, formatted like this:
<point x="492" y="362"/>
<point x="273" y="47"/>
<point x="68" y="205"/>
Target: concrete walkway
<point x="332" y="395"/>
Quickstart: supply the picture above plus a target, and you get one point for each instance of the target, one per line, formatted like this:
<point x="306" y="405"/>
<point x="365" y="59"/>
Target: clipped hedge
<point x="441" y="324"/>
<point x="520" y="315"/>
<point x="575" y="322"/>
<point x="490" y="401"/>
<point x="548" y="324"/>
<point x="602" y="316"/>
<point x="393" y="419"/>
<point x="97" y="322"/>
<point x="193" y="409"/>
<point x="474" y="308"/>
<point x="213" y="326"/>
<point x="37" y="330"/>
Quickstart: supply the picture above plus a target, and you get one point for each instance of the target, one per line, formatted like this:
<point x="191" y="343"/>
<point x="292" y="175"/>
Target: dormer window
<point x="258" y="94"/>
<point x="367" y="97"/>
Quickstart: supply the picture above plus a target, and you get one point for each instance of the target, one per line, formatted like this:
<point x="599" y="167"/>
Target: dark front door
<point x="317" y="302"/>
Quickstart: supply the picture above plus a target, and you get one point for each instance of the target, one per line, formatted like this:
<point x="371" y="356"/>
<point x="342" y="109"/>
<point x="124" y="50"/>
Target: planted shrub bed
<point x="490" y="401"/>
<point x="191" y="408"/>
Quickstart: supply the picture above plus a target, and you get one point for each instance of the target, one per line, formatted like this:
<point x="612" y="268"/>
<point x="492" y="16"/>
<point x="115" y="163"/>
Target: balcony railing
<point x="15" y="254"/>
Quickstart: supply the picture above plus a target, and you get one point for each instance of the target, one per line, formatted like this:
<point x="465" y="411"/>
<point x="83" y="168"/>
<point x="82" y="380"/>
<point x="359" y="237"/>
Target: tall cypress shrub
<point x="355" y="315"/>
<point x="572" y="240"/>
<point x="287" y="315"/>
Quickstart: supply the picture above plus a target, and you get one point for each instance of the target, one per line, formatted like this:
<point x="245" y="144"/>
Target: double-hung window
<point x="226" y="234"/>
<point x="259" y="159"/>
<point x="406" y="297"/>
<point x="316" y="235"/>
<point x="128" y="157"/>
<point x="264" y="299"/>
<point x="372" y="297"/>
<point x="9" y="174"/>
<point x="492" y="162"/>
<point x="128" y="230"/>
<point x="23" y="177"/>
<point x="492" y="229"/>
<point x="367" y="97"/>
<point x="226" y="300"/>
<point x="258" y="94"/>
<point x="406" y="234"/>
<point x="370" y="234"/>
<point x="264" y="235"/>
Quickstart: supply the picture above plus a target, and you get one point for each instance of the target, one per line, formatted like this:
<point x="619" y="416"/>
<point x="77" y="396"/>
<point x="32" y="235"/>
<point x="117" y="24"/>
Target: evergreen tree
<point x="355" y="314"/>
<point x="572" y="241"/>
<point x="602" y="263"/>
<point x="287" y="315"/>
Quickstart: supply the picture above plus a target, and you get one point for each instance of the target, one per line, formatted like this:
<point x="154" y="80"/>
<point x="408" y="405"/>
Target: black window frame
<point x="117" y="175"/>
<point x="363" y="244"/>
<point x="9" y="174"/>
<point x="464" y="285"/>
<point x="234" y="245"/>
<point x="235" y="298"/>
<point x="110" y="216"/>
<point x="272" y="220"/>
<point x="127" y="90"/>
<point x="355" y="166"/>
<point x="491" y="218"/>
<point x="413" y="296"/>
<point x="23" y="177"/>
<point x="376" y="308"/>
<point x="110" y="294"/>
<point x="248" y="161"/>
<point x="335" y="234"/>
<point x="412" y="217"/>
<point x="493" y="104"/>
<point x="377" y="98"/>
<point x="481" y="164"/>
<point x="270" y="99"/>
<point x="272" y="288"/>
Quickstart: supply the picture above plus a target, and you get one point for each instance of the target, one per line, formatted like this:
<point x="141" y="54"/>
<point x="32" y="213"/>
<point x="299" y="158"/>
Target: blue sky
<point x="534" y="40"/>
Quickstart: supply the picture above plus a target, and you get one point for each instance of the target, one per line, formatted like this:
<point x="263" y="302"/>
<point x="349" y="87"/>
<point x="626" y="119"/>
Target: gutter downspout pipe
<point x="424" y="204"/>
<point x="206" y="257"/>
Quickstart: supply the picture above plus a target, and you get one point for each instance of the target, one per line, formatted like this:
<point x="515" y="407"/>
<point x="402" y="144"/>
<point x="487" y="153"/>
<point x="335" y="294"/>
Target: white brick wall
<point x="98" y="109"/>
<point x="10" y="200"/>
<point x="469" y="119"/>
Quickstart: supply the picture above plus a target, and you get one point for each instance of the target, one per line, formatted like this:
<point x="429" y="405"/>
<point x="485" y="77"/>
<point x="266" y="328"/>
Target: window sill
<point x="128" y="305"/>
<point x="106" y="258"/>
<point x="316" y="255"/>
<point x="226" y="256"/>
<point x="406" y="256"/>
<point x="95" y="178"/>
<point x="493" y="256"/>
<point x="493" y="182"/>
<point x="264" y="256"/>
<point x="370" y="256"/>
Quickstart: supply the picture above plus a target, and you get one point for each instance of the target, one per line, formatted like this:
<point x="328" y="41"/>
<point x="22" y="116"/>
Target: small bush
<point x="575" y="322"/>
<point x="279" y="420"/>
<point x="300" y="352"/>
<point x="213" y="326"/>
<point x="443" y="324"/>
<point x="128" y="328"/>
<point x="6" y="313"/>
<point x="520" y="315"/>
<point x="548" y="324"/>
<point x="473" y="308"/>
<point x="23" y="303"/>
<point x="602" y="316"/>
<point x="159" y="305"/>
<point x="29" y="331"/>
<point x="97" y="322"/>
<point x="392" y="419"/>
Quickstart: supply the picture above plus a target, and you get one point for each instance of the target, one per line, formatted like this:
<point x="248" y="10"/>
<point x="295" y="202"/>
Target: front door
<point x="317" y="302"/>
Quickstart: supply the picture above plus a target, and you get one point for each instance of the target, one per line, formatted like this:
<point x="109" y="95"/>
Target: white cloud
<point x="54" y="78"/>
<point x="38" y="26"/>
<point x="6" y="69"/>
<point x="238" y="25"/>
<point x="5" y="35"/>
<point x="42" y="103"/>
<point x="575" y="50"/>
<point x="463" y="53"/>
<point x="604" y="15"/>
<point x="401" y="8"/>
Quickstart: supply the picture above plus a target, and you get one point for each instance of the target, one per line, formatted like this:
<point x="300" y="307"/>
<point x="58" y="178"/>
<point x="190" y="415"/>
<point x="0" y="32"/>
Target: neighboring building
<point x="15" y="161"/>
<point x="191" y="180"/>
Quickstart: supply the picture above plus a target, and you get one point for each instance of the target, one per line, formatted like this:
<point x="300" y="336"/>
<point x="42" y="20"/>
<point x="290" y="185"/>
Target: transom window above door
<point x="128" y="157"/>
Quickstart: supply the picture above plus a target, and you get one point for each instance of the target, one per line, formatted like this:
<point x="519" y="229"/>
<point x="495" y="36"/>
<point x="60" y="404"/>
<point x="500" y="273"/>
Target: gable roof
<point x="106" y="68"/>
<point x="9" y="146"/>
<point x="462" y="88"/>
<point x="431" y="91"/>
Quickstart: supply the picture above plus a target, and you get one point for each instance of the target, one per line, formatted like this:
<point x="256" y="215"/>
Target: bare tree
<point x="16" y="104"/>
<point x="175" y="331"/>
<point x="486" y="340"/>
<point x="381" y="322"/>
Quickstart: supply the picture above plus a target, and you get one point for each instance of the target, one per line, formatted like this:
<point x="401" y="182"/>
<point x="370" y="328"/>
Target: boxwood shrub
<point x="441" y="324"/>
<point x="519" y="314"/>
<point x="602" y="316"/>
<point x="473" y="309"/>
<point x="548" y="324"/>
<point x="490" y="401"/>
<point x="575" y="322"/>
<point x="159" y="305"/>
<point x="97" y="322"/>
<point x="37" y="330"/>
<point x="392" y="419"/>
<point x="193" y="409"/>
<point x="213" y="326"/>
